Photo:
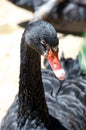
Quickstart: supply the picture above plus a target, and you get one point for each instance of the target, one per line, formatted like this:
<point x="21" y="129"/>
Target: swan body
<point x="67" y="101"/>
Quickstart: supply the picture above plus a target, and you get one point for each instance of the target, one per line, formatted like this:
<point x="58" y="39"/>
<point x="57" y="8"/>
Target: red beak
<point x="54" y="62"/>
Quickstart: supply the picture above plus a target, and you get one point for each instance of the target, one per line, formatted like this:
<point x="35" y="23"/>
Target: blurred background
<point x="10" y="39"/>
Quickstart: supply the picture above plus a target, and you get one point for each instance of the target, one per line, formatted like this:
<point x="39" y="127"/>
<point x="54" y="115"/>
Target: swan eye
<point x="43" y="42"/>
<point x="45" y="46"/>
<point x="55" y="48"/>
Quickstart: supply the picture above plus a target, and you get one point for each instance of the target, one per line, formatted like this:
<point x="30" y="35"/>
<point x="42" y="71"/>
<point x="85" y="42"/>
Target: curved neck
<point x="31" y="93"/>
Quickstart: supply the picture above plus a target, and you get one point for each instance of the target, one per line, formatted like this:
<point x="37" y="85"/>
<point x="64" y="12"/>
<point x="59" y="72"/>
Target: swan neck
<point x="31" y="92"/>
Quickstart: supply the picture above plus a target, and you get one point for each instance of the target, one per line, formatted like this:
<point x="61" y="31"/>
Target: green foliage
<point x="82" y="55"/>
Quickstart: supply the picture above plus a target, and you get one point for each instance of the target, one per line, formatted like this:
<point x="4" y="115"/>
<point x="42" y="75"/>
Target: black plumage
<point x="29" y="110"/>
<point x="67" y="102"/>
<point x="66" y="105"/>
<point x="69" y="10"/>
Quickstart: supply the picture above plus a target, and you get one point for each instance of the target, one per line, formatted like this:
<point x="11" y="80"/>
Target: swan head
<point x="42" y="37"/>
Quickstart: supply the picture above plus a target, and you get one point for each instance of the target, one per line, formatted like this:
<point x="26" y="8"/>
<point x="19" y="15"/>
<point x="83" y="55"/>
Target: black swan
<point x="29" y="110"/>
<point x="74" y="10"/>
<point x="65" y="99"/>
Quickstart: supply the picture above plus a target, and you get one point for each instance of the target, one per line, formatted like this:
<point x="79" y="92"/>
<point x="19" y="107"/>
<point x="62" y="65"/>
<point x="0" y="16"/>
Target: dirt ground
<point x="10" y="37"/>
